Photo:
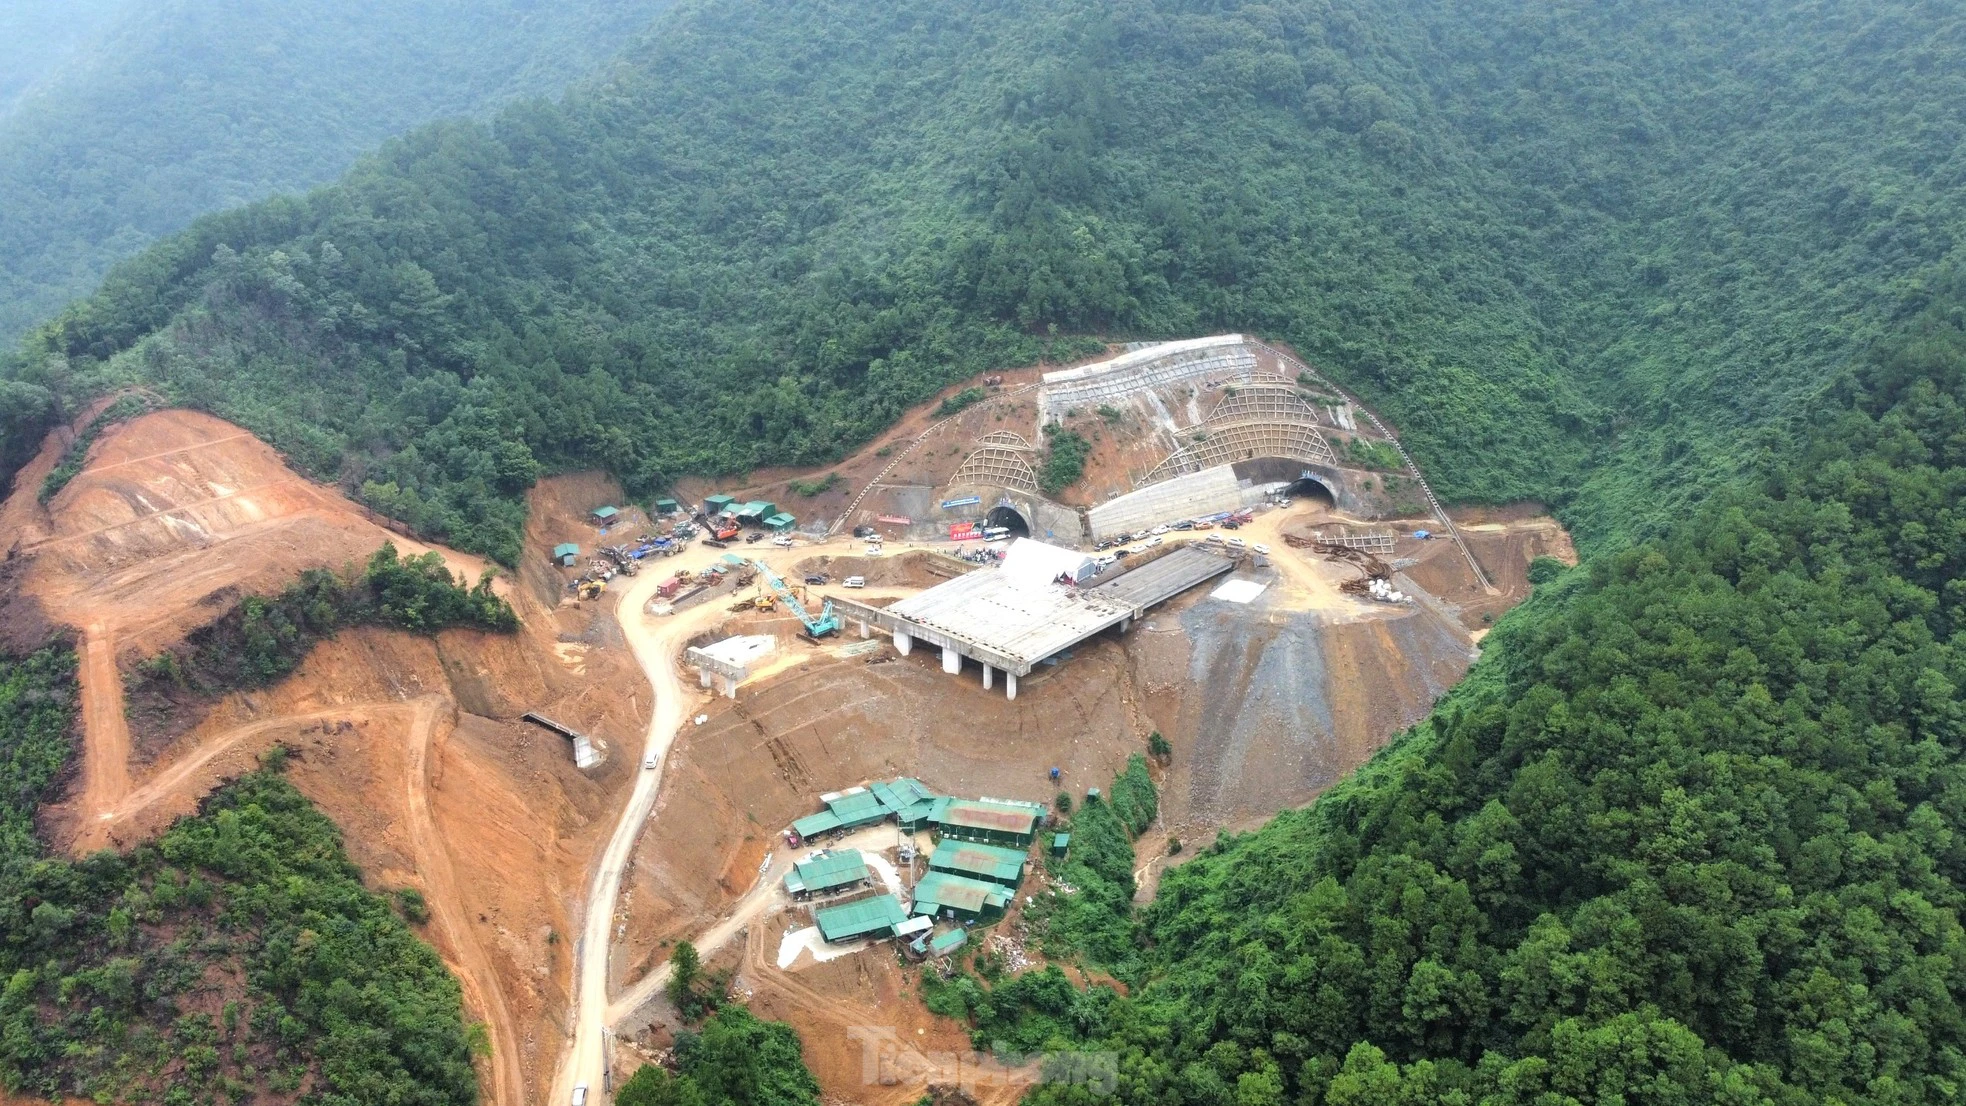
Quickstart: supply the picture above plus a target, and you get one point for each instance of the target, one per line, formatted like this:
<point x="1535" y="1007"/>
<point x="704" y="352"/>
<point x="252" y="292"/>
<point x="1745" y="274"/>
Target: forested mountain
<point x="121" y="122"/>
<point x="1692" y="830"/>
<point x="38" y="38"/>
<point x="1691" y="834"/>
<point x="1542" y="238"/>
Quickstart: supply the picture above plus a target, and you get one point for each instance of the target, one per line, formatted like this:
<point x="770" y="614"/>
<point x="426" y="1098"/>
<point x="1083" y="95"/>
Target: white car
<point x="1261" y="548"/>
<point x="648" y="761"/>
<point x="1237" y="543"/>
<point x="873" y="551"/>
<point x="1216" y="538"/>
<point x="782" y="542"/>
<point x="1161" y="529"/>
<point x="854" y="582"/>
<point x="1155" y="540"/>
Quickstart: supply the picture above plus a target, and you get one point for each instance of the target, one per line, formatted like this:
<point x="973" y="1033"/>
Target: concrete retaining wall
<point x="1208" y="492"/>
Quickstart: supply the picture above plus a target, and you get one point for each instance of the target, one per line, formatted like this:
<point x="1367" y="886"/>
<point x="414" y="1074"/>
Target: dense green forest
<point x="121" y="122"/>
<point x="237" y="955"/>
<point x="1692" y="833"/>
<point x="1574" y="252"/>
<point x="734" y="1060"/>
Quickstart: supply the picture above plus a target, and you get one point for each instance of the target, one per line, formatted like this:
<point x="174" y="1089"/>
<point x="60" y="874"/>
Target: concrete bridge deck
<point x="1163" y="578"/>
<point x="1010" y="626"/>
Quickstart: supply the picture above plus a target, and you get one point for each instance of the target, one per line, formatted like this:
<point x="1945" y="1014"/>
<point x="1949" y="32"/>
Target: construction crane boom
<point x="818" y="625"/>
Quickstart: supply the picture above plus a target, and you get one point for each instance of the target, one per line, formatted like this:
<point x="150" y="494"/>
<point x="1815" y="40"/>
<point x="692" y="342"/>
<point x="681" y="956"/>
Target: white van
<point x="648" y="761"/>
<point x="854" y="582"/>
<point x="580" y="1095"/>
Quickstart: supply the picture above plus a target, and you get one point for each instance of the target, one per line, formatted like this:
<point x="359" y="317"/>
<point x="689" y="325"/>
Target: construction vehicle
<point x="817" y="625"/>
<point x="723" y="528"/>
<point x="589" y="589"/>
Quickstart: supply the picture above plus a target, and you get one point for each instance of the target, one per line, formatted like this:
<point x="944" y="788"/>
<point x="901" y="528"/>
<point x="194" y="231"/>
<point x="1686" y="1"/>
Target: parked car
<point x="1161" y="529"/>
<point x="1237" y="543"/>
<point x="1261" y="548"/>
<point x="816" y="578"/>
<point x="648" y="761"/>
<point x="854" y="582"/>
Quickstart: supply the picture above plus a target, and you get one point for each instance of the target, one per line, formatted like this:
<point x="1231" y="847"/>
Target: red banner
<point x="898" y="520"/>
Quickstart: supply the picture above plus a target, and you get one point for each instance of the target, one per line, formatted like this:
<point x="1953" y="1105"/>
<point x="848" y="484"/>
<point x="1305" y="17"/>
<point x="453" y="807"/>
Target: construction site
<point x="821" y="743"/>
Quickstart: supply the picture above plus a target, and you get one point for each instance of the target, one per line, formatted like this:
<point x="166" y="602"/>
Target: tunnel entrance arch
<point x="1008" y="517"/>
<point x="1314" y="489"/>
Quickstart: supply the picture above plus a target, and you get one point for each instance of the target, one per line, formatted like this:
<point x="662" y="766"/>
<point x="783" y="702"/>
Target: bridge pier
<point x="989" y="674"/>
<point x="904" y="643"/>
<point x="1010" y="685"/>
<point x="952" y="661"/>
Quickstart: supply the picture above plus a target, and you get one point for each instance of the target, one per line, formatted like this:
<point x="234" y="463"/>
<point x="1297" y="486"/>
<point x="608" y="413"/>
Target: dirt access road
<point x="185" y="782"/>
<point x="655" y="650"/>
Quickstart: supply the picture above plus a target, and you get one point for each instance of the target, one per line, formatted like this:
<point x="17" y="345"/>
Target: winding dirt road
<point x="105" y="733"/>
<point x="655" y="651"/>
<point x="109" y="802"/>
<point x="474" y="968"/>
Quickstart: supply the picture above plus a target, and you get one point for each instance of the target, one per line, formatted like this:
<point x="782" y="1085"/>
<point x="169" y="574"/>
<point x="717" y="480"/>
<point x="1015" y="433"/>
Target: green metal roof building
<point x="605" y="514"/>
<point x="665" y="506"/>
<point x="844" y="810"/>
<point x="990" y="821"/>
<point x="813" y="824"/>
<point x="875" y="917"/>
<point x="978" y="861"/>
<point x="780" y="522"/>
<point x="755" y="511"/>
<point x="947" y="896"/>
<point x="717" y="504"/>
<point x="910" y="799"/>
<point x="855" y="807"/>
<point x="942" y="944"/>
<point x="828" y="871"/>
<point x="566" y="553"/>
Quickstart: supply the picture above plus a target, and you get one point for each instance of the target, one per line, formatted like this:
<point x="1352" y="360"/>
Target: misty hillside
<point x="1527" y="234"/>
<point x="121" y="122"/>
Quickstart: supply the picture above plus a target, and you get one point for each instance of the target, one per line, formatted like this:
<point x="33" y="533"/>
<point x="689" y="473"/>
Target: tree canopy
<point x="122" y="121"/>
<point x="1692" y="833"/>
<point x="1573" y="252"/>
